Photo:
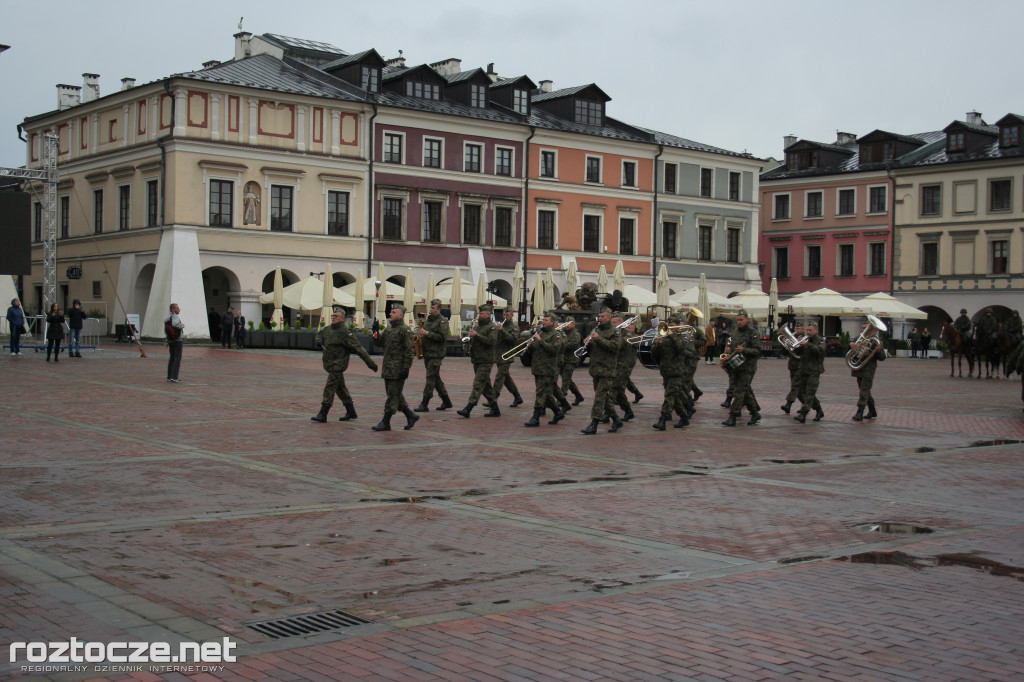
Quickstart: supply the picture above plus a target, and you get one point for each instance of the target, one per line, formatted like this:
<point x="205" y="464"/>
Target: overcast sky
<point x="738" y="75"/>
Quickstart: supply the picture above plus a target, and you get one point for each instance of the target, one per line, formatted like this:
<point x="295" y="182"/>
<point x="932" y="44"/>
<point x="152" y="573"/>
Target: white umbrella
<point x="538" y="298"/>
<point x="308" y="295"/>
<point x="380" y="300"/>
<point x="431" y="289"/>
<point x="716" y="302"/>
<point x="455" y="302"/>
<point x="639" y="298"/>
<point x="549" y="290"/>
<point x="824" y="302"/>
<point x="703" y="304"/>
<point x="571" y="278"/>
<point x="357" y="297"/>
<point x="662" y="288"/>
<point x="773" y="300"/>
<point x="277" y="319"/>
<point x="481" y="289"/>
<point x="389" y="291"/>
<point x="602" y="281"/>
<point x="884" y="305"/>
<point x="619" y="277"/>
<point x="517" y="288"/>
<point x="469" y="294"/>
<point x="754" y="301"/>
<point x="327" y="297"/>
<point x="409" y="300"/>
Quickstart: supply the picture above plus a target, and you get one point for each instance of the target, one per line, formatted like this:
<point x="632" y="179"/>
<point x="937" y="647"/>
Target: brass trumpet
<point x="519" y="349"/>
<point x="582" y="351"/>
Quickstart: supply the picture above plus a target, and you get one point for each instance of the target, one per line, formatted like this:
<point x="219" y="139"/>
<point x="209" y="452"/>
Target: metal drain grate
<point x="307" y="624"/>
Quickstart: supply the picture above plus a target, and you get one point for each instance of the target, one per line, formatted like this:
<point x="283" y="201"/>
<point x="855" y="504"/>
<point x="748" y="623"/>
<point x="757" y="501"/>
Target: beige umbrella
<point x="431" y="289"/>
<point x="538" y="299"/>
<point x="639" y="298"/>
<point x="773" y="302"/>
<point x="549" y="291"/>
<point x="357" y="296"/>
<point x="602" y="280"/>
<point x="409" y="299"/>
<point x="328" y="296"/>
<point x="469" y="294"/>
<point x="884" y="305"/>
<point x="380" y="298"/>
<point x="716" y="302"/>
<point x="619" y="277"/>
<point x="308" y="296"/>
<point x="481" y="289"/>
<point x="517" y="288"/>
<point x="824" y="302"/>
<point x="277" y="319"/>
<point x="455" y="302"/>
<point x="754" y="301"/>
<point x="703" y="304"/>
<point x="571" y="278"/>
<point x="662" y="288"/>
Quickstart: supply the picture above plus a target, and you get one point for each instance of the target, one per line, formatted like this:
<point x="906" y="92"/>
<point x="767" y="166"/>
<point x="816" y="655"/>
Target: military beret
<point x="743" y="311"/>
<point x="486" y="308"/>
<point x="436" y="302"/>
<point x="338" y="309"/>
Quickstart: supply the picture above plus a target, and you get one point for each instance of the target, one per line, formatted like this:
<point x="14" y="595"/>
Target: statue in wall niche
<point x="251" y="200"/>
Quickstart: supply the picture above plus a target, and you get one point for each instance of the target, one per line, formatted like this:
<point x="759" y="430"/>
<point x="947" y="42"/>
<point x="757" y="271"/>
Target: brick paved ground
<point x="133" y="509"/>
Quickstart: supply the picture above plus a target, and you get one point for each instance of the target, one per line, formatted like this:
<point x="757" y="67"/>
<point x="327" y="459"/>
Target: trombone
<point x="520" y="348"/>
<point x="582" y="351"/>
<point x="684" y="330"/>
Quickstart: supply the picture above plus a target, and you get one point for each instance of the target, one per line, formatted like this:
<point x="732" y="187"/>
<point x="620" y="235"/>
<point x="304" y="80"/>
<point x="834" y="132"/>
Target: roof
<point x="287" y="43"/>
<point x="569" y="92"/>
<point x="266" y="72"/>
<point x="351" y="59"/>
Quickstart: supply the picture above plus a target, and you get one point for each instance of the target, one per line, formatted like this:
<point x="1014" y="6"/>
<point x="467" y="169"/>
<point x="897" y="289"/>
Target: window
<point x="592" y="233"/>
<point x="734" y="186"/>
<point x="503" y="226"/>
<point x="422" y="90"/>
<point x="392" y="226"/>
<point x="593" y="169"/>
<point x="847" y="204"/>
<point x="931" y="199"/>
<point x="999" y="195"/>
<point x="629" y="174"/>
<point x="65" y="210"/>
<point x="432" y="212"/>
<point x="370" y="78"/>
<point x="221" y="203"/>
<point x="545" y="229"/>
<point x="704" y="242"/>
<point x="588" y="112"/>
<point x="502" y="161"/>
<point x="477" y="96"/>
<point x="392" y="148"/>
<point x="97" y="211"/>
<point x="670" y="178"/>
<point x="707" y="176"/>
<point x="781" y="262"/>
<point x="669" y="239"/>
<point x="732" y="245"/>
<point x="781" y="207"/>
<point x="281" y="208"/>
<point x="955" y="142"/>
<point x="124" y="204"/>
<point x="1000" y="256"/>
<point x="432" y="153"/>
<point x="521" y="101"/>
<point x="37" y="218"/>
<point x="152" y="202"/>
<point x="626" y="238"/>
<point x="471" y="223"/>
<point x="337" y="213"/>
<point x="1009" y="136"/>
<point x="845" y="260"/>
<point x="876" y="259"/>
<point x="474" y="153"/>
<point x="930" y="258"/>
<point x="547" y="164"/>
<point x="877" y="200"/>
<point x="812" y="264"/>
<point x="814" y="205"/>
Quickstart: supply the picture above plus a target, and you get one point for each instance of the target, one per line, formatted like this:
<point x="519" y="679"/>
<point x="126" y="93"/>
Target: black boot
<point x="818" y="414"/>
<point x="731" y="421"/>
<point x="728" y="402"/>
<point x="445" y="403"/>
<point x="384" y="424"/>
<point x="604" y="420"/>
<point x="591" y="428"/>
<point x="410" y="418"/>
<point x="660" y="424"/>
<point x="683" y="422"/>
<point x="535" y="419"/>
<point x="579" y="399"/>
<point x="559" y="415"/>
<point x="422" y="407"/>
<point x="755" y="418"/>
<point x="871" y="411"/>
<point x="322" y="415"/>
<point x="494" y="411"/>
<point x="628" y="415"/>
<point x="464" y="412"/>
<point x="859" y="417"/>
<point x="564" y="404"/>
<point x="789" y="404"/>
<point x="350" y="414"/>
<point x="801" y="416"/>
<point x="637" y="397"/>
<point x="517" y="400"/>
<point x="616" y="423"/>
<point x="697" y="393"/>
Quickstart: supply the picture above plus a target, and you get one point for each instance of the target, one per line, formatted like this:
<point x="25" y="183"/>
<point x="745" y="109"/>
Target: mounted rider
<point x="964" y="325"/>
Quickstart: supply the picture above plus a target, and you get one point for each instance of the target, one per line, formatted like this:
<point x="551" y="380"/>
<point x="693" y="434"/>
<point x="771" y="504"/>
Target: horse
<point x="989" y="346"/>
<point x="958" y="350"/>
<point x="1005" y="345"/>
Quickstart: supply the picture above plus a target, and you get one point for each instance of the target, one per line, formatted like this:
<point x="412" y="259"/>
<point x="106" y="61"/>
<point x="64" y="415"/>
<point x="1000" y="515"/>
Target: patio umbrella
<point x="703" y="305"/>
<point x="431" y="289"/>
<point x="619" y="277"/>
<point x="602" y="281"/>
<point x="754" y="301"/>
<point x="469" y="294"/>
<point x="327" y="296"/>
<point x="884" y="305"/>
<point x="538" y="298"/>
<point x="409" y="300"/>
<point x="571" y="278"/>
<point x="639" y="298"/>
<point x="661" y="288"/>
<point x="517" y="288"/>
<point x="549" y="291"/>
<point x="716" y="302"/>
<point x="455" y="303"/>
<point x="773" y="302"/>
<point x="277" y="319"/>
<point x="481" y="289"/>
<point x="824" y="302"/>
<point x="308" y="295"/>
<point x="357" y="296"/>
<point x="380" y="301"/>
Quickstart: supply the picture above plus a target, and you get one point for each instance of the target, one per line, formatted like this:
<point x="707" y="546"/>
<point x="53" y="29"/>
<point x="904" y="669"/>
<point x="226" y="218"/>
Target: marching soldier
<point x="338" y="344"/>
<point x="481" y="353"/>
<point x="396" y="338"/>
<point x="569" y="362"/>
<point x="746" y="342"/>
<point x="699" y="339"/>
<point x="434" y="332"/>
<point x="624" y="369"/>
<point x="812" y="365"/>
<point x="603" y="345"/>
<point x="673" y="353"/>
<point x="794" y="373"/>
<point x="547" y="350"/>
<point x="866" y="378"/>
<point x="508" y="336"/>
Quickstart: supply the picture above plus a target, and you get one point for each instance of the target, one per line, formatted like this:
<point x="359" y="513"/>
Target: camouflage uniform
<point x="481" y="354"/>
<point x="338" y="344"/>
<point x="604" y="354"/>
<point x="547" y="351"/>
<point x="507" y="337"/>
<point x="623" y="380"/>
<point x="569" y="362"/>
<point x="963" y="325"/>
<point x="433" y="355"/>
<point x="689" y="384"/>
<point x="674" y="354"/>
<point x="812" y="366"/>
<point x="865" y="380"/>
<point x="741" y="377"/>
<point x="1014" y="328"/>
<point x="396" y="338"/>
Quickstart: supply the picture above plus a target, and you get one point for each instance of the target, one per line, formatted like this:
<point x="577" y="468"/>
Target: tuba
<point x="790" y="342"/>
<point x="866" y="343"/>
<point x="417" y="339"/>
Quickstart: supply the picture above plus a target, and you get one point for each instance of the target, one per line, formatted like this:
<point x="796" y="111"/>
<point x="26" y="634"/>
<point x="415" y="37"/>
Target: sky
<point x="738" y="75"/>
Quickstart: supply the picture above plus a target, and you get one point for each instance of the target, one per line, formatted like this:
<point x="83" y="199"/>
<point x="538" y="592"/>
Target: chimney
<point x="974" y="118"/>
<point x="68" y="96"/>
<point x="397" y="61"/>
<point x="491" y="73"/>
<point x="242" y="49"/>
<point x="845" y="138"/>
<point x="91" y="88"/>
<point x="545" y="86"/>
<point x="448" y="67"/>
<point x="212" y="63"/>
<point x="788" y="141"/>
<point x="127" y="84"/>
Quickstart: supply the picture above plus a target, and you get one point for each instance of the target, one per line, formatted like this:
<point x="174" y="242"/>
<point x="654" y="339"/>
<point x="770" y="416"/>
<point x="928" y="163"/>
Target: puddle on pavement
<point x="561" y="481"/>
<point x="792" y="461"/>
<point x="405" y="500"/>
<point x="800" y="559"/>
<point x="988" y="443"/>
<point x="971" y="560"/>
<point x="895" y="528"/>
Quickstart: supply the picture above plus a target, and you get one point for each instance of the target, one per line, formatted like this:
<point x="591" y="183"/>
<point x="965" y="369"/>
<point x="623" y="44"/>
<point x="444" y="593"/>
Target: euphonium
<point x="790" y="342"/>
<point x="417" y="339"/>
<point x="865" y="343"/>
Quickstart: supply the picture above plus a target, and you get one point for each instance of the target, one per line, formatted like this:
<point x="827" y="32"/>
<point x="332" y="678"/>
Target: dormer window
<point x="1009" y="136"/>
<point x="477" y="96"/>
<point x="422" y="90"/>
<point x="521" y="101"/>
<point x="955" y="142"/>
<point x="589" y="113"/>
<point x="370" y="79"/>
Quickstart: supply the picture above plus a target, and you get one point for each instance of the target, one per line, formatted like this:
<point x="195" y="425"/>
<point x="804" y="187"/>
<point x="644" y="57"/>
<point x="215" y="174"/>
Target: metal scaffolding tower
<point x="48" y="176"/>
